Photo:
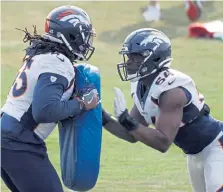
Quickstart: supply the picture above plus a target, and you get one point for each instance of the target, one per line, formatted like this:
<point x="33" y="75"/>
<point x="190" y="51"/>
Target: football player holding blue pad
<point x="40" y="97"/>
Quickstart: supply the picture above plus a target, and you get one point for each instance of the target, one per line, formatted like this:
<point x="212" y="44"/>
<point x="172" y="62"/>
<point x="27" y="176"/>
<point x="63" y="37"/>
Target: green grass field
<point x="125" y="167"/>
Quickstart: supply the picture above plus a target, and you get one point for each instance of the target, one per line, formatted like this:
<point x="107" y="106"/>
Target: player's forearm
<point x="115" y="128"/>
<point x="119" y="131"/>
<point x="151" y="137"/>
<point x="57" y="110"/>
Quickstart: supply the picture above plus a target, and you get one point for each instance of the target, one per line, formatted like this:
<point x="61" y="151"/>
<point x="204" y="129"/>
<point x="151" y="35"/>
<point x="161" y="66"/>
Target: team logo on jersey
<point x="171" y="82"/>
<point x="53" y="79"/>
<point x="62" y="59"/>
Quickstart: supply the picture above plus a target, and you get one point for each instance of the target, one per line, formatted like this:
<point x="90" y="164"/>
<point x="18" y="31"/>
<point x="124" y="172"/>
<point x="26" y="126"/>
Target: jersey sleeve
<point x="47" y="106"/>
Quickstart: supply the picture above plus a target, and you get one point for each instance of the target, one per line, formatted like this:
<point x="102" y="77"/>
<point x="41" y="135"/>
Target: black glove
<point x="127" y="121"/>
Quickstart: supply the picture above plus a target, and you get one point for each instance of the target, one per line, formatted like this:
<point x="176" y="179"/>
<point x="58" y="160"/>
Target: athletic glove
<point x="88" y="97"/>
<point x="119" y="102"/>
<point x="89" y="100"/>
<point x="121" y="112"/>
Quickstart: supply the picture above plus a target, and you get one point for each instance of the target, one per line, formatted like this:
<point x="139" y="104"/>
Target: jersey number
<point x="160" y="80"/>
<point x="20" y="84"/>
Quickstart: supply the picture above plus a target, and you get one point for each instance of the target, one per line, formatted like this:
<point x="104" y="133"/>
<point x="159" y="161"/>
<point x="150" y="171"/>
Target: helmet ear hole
<point x="157" y="59"/>
<point x="72" y="37"/>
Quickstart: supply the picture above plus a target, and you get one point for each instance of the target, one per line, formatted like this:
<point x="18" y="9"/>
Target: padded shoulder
<point x="54" y="63"/>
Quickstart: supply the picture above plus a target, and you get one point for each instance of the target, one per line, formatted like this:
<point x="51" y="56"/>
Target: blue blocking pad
<point x="80" y="137"/>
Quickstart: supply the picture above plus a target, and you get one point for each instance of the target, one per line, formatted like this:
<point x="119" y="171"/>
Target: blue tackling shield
<point x="80" y="137"/>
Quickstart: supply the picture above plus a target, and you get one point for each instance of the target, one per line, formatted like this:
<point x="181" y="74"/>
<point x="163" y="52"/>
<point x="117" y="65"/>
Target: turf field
<point x="125" y="167"/>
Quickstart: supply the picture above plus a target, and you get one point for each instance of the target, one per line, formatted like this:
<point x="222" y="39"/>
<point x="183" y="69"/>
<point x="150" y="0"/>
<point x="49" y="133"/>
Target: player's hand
<point x="119" y="102"/>
<point x="89" y="100"/>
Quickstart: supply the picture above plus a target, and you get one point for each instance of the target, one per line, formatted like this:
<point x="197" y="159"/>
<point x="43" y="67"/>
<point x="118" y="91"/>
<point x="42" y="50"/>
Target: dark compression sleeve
<point x="47" y="106"/>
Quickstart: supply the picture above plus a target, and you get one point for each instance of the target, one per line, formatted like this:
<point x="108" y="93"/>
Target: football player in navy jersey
<point x="169" y="100"/>
<point x="40" y="97"/>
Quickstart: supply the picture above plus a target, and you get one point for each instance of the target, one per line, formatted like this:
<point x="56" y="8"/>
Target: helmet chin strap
<point x="165" y="63"/>
<point x="80" y="56"/>
<point x="51" y="38"/>
<point x="133" y="77"/>
<point x="63" y="41"/>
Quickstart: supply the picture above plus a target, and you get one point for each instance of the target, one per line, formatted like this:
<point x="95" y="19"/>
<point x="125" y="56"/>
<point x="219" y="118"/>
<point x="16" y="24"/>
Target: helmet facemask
<point x="89" y="48"/>
<point x="140" y="65"/>
<point x="81" y="45"/>
<point x="129" y="69"/>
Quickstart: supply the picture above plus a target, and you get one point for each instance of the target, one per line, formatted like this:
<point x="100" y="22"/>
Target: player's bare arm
<point x="137" y="116"/>
<point x="115" y="128"/>
<point x="171" y="105"/>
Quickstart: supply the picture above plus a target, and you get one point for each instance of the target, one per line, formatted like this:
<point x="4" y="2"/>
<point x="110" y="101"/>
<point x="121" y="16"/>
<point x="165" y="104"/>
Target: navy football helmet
<point x="71" y="26"/>
<point x="145" y="51"/>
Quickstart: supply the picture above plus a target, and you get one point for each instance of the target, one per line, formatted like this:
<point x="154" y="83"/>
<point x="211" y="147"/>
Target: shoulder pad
<point x="168" y="79"/>
<point x="55" y="63"/>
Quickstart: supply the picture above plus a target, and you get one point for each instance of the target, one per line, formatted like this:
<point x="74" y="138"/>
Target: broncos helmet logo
<point x="156" y="38"/>
<point x="75" y="19"/>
